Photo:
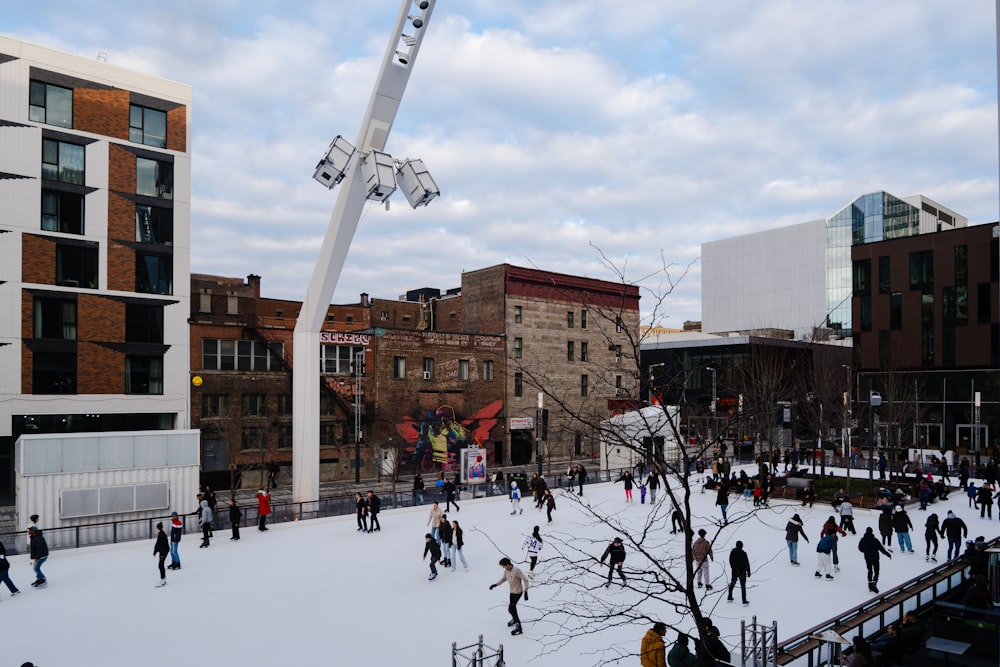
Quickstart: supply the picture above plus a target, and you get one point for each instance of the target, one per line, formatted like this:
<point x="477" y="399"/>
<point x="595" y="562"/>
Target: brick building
<point x="95" y="190"/>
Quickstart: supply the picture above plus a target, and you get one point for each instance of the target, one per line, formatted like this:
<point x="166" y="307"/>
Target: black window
<point x="63" y="162"/>
<point x="896" y="311"/>
<point x="251" y="437"/>
<point x="62" y="212"/>
<point x="143" y="324"/>
<point x="254" y="405"/>
<point x="866" y="312"/>
<point x="214" y="405"/>
<point x="961" y="264"/>
<point x="49" y="104"/>
<point x="583" y="319"/>
<point x="584" y="385"/>
<point x="518" y="384"/>
<point x="147" y="126"/>
<point x="54" y="318"/>
<point x="284" y="404"/>
<point x="154" y="274"/>
<point x="921" y="269"/>
<point x="884" y="279"/>
<point x="570" y="354"/>
<point x="569" y="319"/>
<point x="154" y="178"/>
<point x="399" y="367"/>
<point x="154" y="225"/>
<point x="955" y="305"/>
<point x="76" y="266"/>
<point x="583" y="351"/>
<point x="53" y="373"/>
<point x="862" y="276"/>
<point x="143" y="375"/>
<point x="984" y="303"/>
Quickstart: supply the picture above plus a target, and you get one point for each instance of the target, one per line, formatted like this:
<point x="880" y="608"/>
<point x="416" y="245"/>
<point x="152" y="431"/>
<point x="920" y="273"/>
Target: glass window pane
<point x="59" y="106"/>
<point x="71" y="163"/>
<point x="154" y="128"/>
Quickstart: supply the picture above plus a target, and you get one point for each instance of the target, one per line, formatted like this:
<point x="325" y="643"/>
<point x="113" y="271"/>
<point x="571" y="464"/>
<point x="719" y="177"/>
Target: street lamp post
<point x="975" y="437"/>
<point x="715" y="414"/>
<point x="359" y="360"/>
<point x="538" y="433"/>
<point x="874" y="401"/>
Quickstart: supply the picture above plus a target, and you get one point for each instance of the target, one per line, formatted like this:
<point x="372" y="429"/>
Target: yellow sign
<point x="196" y="380"/>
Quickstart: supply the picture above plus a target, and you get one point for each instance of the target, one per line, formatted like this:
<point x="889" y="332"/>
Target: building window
<point x="583" y="350"/>
<point x="254" y="405"/>
<point x="577" y="443"/>
<point x="399" y="367"/>
<point x="517" y="314"/>
<point x="884" y="349"/>
<point x="487" y="370"/>
<point x="984" y="303"/>
<point x="284" y="404"/>
<point x="62" y="212"/>
<point x="896" y="311"/>
<point x="76" y="266"/>
<point x="214" y="405"/>
<point x="961" y="264"/>
<point x="232" y="304"/>
<point x="284" y="436"/>
<point x="518" y="348"/>
<point x="154" y="274"/>
<point x="921" y="269"/>
<point x="205" y="302"/>
<point x="584" y="385"/>
<point x="583" y="318"/>
<point x="866" y="312"/>
<point x="955" y="304"/>
<point x="147" y="126"/>
<point x="619" y="325"/>
<point x="618" y="385"/>
<point x="49" y="104"/>
<point x="143" y="323"/>
<point x="463" y="369"/>
<point x="884" y="275"/>
<point x="350" y="319"/>
<point x="63" y="162"/>
<point x="618" y="354"/>
<point x="518" y="383"/>
<point x="53" y="373"/>
<point x="927" y="329"/>
<point x="255" y="355"/>
<point x="327" y="435"/>
<point x="339" y="359"/>
<point x="251" y="438"/>
<point x="143" y="375"/>
<point x="55" y="318"/>
<point x="328" y="404"/>
<point x="570" y="352"/>
<point x="384" y="316"/>
<point x="862" y="276"/>
<point x="569" y="319"/>
<point x="154" y="225"/>
<point x="428" y="368"/>
<point x="154" y="178"/>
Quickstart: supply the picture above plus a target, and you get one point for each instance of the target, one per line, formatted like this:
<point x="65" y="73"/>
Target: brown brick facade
<point x="121" y="169"/>
<point x="101" y="111"/>
<point x="121" y="218"/>
<point x="100" y="319"/>
<point x="121" y="267"/>
<point x="177" y="129"/>
<point x="38" y="259"/>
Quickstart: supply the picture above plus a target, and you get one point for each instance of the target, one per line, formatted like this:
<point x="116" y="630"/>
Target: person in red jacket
<point x="263" y="508"/>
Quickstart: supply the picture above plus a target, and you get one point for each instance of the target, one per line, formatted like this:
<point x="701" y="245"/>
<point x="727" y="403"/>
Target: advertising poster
<point x="473" y="465"/>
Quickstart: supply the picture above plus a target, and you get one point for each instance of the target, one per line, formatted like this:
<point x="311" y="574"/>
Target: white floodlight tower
<point x="363" y="174"/>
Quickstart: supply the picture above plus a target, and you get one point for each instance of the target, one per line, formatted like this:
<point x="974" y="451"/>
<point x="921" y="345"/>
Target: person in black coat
<point x="450" y="492"/>
<point x="162" y="550"/>
<point x="39" y="553"/>
<point x="374" y="507"/>
<point x="234" y="519"/>
<point x="362" y="509"/>
<point x="739" y="566"/>
<point x="615" y="553"/>
<point x="5" y="571"/>
<point x="871" y="548"/>
<point x="434" y="549"/>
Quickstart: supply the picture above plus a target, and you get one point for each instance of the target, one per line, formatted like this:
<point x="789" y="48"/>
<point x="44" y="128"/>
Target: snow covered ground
<point x="320" y="593"/>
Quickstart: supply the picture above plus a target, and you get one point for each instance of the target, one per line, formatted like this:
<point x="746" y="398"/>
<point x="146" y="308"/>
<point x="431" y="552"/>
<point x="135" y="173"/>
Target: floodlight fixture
<point x="403" y="57"/>
<point x="378" y="171"/>
<point x="417" y="22"/>
<point x="416" y="183"/>
<point x="333" y="165"/>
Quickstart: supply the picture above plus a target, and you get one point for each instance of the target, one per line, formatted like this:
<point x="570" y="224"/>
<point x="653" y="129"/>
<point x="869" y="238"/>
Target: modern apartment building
<point x="95" y="178"/>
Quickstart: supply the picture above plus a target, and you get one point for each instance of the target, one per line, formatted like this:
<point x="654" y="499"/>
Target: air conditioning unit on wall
<point x="427" y="375"/>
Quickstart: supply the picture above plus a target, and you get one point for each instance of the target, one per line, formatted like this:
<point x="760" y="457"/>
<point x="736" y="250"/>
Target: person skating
<point x="885" y="526"/>
<point x="459" y="538"/>
<point x="901" y="524"/>
<point x="680" y="655"/>
<point x="808" y="495"/>
<point x="234" y="519"/>
<point x="176" y="531"/>
<point x="550" y="504"/>
<point x="709" y="648"/>
<point x="581" y="476"/>
<point x="515" y="499"/>
<point x="5" y="571"/>
<point x="837" y="532"/>
<point x="931" y="530"/>
<point x="418" y="490"/>
<point x="955" y="530"/>
<point x="739" y="566"/>
<point x="984" y="497"/>
<point x="205" y="521"/>
<point x="445" y="536"/>
<point x="653" y="652"/>
<point x="434" y="519"/>
<point x="824" y="554"/>
<point x="210" y="497"/>
<point x="434" y="549"/>
<point x="792" y="531"/>
<point x="676" y="521"/>
<point x="626" y="479"/>
<point x="722" y="500"/>
<point x="653" y="482"/>
<point x="361" y="512"/>
<point x="518" y="585"/>
<point x="533" y="544"/>
<point x="161" y="550"/>
<point x="615" y="553"/>
<point x="263" y="508"/>
<point x="374" y="507"/>
<point x="871" y="548"/>
<point x="701" y="551"/>
<point x="846" y="511"/>
<point x="450" y="493"/>
<point x="38" y="552"/>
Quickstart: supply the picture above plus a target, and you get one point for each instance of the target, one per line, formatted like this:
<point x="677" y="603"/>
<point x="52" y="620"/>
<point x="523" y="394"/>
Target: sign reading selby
<point x="346" y="338"/>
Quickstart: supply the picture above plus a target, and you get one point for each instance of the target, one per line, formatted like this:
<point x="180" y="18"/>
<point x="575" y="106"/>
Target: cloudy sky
<point x="559" y="131"/>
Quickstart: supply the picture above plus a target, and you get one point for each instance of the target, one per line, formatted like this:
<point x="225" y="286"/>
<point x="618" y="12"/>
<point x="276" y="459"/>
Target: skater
<point x="902" y="524"/>
<point x="210" y="497"/>
<point x="234" y="519"/>
<point x="676" y="521"/>
<point x="263" y="508"/>
<point x="450" y="493"/>
<point x="533" y="543"/>
<point x="972" y="492"/>
<point x="616" y="551"/>
<point x="955" y="530"/>
<point x="847" y="517"/>
<point x="5" y="571"/>
<point x="459" y="539"/>
<point x="550" y="504"/>
<point x="361" y="509"/>
<point x="871" y="548"/>
<point x="418" y="490"/>
<point x="701" y="550"/>
<point x="792" y="531"/>
<point x="739" y="566"/>
<point x="445" y="537"/>
<point x="205" y="520"/>
<point x="808" y="495"/>
<point x="161" y="549"/>
<point x="434" y="519"/>
<point x="653" y="483"/>
<point x="272" y="474"/>
<point x="885" y="526"/>
<point x="581" y="476"/>
<point x="832" y="523"/>
<point x="374" y="507"/>
<point x="711" y="649"/>
<point x="680" y="655"/>
<point x="434" y="549"/>
<point x="722" y="500"/>
<point x="38" y="553"/>
<point x="515" y="499"/>
<point x="931" y="530"/>
<point x="518" y="585"/>
<point x="653" y="652"/>
<point x="626" y="479"/>
<point x="984" y="498"/>
<point x="882" y="465"/>
<point x="176" y="530"/>
<point x="824" y="554"/>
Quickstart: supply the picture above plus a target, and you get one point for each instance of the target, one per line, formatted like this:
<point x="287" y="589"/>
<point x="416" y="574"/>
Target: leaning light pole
<point x="365" y="172"/>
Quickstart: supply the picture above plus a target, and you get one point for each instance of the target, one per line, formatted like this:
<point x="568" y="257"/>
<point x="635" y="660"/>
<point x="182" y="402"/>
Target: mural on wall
<point x="435" y="438"/>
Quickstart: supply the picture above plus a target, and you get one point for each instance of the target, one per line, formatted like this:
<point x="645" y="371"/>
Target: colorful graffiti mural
<point x="435" y="438"/>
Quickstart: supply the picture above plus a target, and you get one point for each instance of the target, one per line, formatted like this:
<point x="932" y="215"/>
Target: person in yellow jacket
<point x="654" y="651"/>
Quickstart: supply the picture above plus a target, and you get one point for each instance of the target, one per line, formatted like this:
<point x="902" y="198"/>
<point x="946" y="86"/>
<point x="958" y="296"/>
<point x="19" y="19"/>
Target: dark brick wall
<point x="483" y="300"/>
<point x="121" y="169"/>
<point x="100" y="319"/>
<point x="121" y="267"/>
<point x="121" y="218"/>
<point x="103" y="112"/>
<point x="38" y="259"/>
<point x="177" y="129"/>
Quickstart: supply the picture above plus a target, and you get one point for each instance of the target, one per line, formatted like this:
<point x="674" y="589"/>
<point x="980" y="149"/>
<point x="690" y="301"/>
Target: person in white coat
<point x="515" y="499"/>
<point x="533" y="544"/>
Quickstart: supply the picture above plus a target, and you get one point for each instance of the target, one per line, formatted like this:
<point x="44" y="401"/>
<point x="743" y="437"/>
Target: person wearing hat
<point x="792" y="531"/>
<point x="161" y="550"/>
<point x="954" y="529"/>
<point x="653" y="652"/>
<point x="515" y="499"/>
<point x="176" y="530"/>
<point x="616" y="552"/>
<point x="205" y="518"/>
<point x="871" y="548"/>
<point x="263" y="508"/>
<point x="39" y="553"/>
<point x="680" y="655"/>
